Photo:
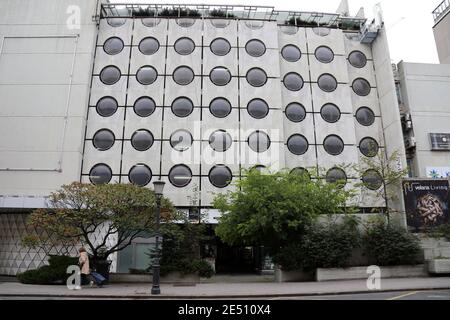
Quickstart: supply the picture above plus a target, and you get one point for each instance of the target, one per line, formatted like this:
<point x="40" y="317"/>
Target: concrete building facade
<point x="132" y="96"/>
<point x="425" y="108"/>
<point x="441" y="31"/>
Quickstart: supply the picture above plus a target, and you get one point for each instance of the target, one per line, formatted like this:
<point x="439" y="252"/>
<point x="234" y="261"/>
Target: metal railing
<point x="441" y="10"/>
<point x="265" y="13"/>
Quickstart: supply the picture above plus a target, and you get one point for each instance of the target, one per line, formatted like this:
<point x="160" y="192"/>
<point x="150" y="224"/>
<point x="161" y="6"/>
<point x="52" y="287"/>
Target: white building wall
<point x="425" y="89"/>
<point x="442" y="36"/>
<point x="45" y="65"/>
<point x="390" y="116"/>
<point x="46" y="53"/>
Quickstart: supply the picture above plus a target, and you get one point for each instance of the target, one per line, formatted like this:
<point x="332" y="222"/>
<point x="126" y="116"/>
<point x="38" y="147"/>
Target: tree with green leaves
<point x="384" y="169"/>
<point x="78" y="212"/>
<point x="274" y="209"/>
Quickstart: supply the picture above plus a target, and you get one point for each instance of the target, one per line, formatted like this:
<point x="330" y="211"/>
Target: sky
<point x="409" y="23"/>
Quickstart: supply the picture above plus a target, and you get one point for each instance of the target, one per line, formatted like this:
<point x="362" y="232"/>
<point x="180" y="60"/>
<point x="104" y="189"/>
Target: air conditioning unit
<point x="407" y="117"/>
<point x="410" y="142"/>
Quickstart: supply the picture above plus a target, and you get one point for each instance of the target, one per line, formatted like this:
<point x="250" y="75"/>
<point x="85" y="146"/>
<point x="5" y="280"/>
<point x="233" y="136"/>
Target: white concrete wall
<point x="44" y="86"/>
<point x="426" y="92"/>
<point x="442" y="37"/>
<point x="390" y="115"/>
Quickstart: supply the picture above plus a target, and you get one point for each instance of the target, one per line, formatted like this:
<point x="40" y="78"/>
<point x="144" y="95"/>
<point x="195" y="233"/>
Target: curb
<point x="204" y="297"/>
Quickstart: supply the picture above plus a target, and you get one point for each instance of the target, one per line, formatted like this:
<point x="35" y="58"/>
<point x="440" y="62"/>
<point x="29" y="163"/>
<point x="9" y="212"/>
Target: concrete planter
<point x="178" y="277"/>
<point x="439" y="266"/>
<point x="293" y="276"/>
<point x="173" y="277"/>
<point x="361" y="273"/>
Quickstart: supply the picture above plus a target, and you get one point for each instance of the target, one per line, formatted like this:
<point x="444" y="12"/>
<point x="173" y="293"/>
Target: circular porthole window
<point x="144" y="107"/>
<point x="182" y="107"/>
<point x="110" y="75"/>
<point x="183" y="75"/>
<point x="321" y="31"/>
<point x="113" y="46"/>
<point x="140" y="175"/>
<point x="301" y="172"/>
<point x="220" y="23"/>
<point x="330" y="113"/>
<point x="220" y="176"/>
<point x="220" y="141"/>
<point x="181" y="140"/>
<point x="333" y="145"/>
<point x="365" y="116"/>
<point x="372" y="180"/>
<point x="291" y="53"/>
<point x="180" y="176"/>
<point x="142" y="140"/>
<point x="146" y="75"/>
<point x="361" y="87"/>
<point x="369" y="147"/>
<point x="103" y="139"/>
<point x="107" y="106"/>
<point x="336" y="175"/>
<point x="254" y="24"/>
<point x="220" y="76"/>
<point x="149" y="46"/>
<point x="255" y="48"/>
<point x="327" y="83"/>
<point x="116" y="22"/>
<point x="295" y="112"/>
<point x="220" y="47"/>
<point x="289" y="30"/>
<point x="151" y="22"/>
<point x="185" y="22"/>
<point x="259" y="141"/>
<point x="357" y="59"/>
<point x="324" y="54"/>
<point x="220" y="107"/>
<point x="100" y="174"/>
<point x="258" y="108"/>
<point x="184" y="46"/>
<point x="297" y="144"/>
<point x="293" y="81"/>
<point x="256" y="77"/>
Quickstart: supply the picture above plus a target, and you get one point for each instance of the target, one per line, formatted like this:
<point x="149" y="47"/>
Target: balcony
<point x="296" y="18"/>
<point x="441" y="11"/>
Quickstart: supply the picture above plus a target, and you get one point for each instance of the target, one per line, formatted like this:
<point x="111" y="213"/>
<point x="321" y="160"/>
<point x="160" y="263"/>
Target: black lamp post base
<point x="156" y="290"/>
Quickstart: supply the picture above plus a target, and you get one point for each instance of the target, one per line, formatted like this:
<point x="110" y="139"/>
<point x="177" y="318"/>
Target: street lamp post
<point x="158" y="188"/>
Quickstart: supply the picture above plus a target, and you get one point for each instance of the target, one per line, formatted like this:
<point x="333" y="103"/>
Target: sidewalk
<point x="223" y="290"/>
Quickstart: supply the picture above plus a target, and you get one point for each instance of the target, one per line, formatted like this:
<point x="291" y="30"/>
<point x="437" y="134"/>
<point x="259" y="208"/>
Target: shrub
<point x="390" y="245"/>
<point x="166" y="12"/>
<point x="203" y="268"/>
<point x="330" y="245"/>
<point x="442" y="231"/>
<point x="54" y="273"/>
<point x="323" y="245"/>
<point x="221" y="14"/>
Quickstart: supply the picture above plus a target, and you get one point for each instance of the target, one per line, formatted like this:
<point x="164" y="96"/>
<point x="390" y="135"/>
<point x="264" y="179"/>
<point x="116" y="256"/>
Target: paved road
<point x="400" y="295"/>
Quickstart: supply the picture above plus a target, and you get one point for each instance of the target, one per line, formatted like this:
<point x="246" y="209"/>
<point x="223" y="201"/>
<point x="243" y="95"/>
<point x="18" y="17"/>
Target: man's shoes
<point x="77" y="288"/>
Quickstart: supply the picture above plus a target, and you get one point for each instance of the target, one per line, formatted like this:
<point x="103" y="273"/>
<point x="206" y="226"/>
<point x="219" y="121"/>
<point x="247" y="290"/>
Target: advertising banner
<point x="426" y="203"/>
